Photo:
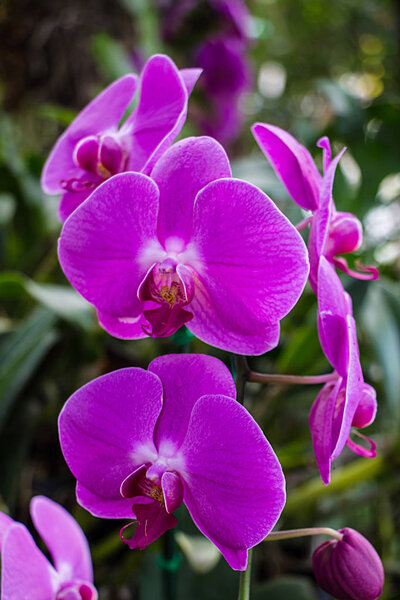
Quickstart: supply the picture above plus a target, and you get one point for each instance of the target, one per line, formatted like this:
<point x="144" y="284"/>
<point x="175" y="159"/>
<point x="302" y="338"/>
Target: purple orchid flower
<point x="27" y="573"/>
<point x="332" y="232"/>
<point x="142" y="442"/>
<point x="226" y="77"/>
<point x="94" y="147"/>
<point x="191" y="245"/>
<point x="347" y="401"/>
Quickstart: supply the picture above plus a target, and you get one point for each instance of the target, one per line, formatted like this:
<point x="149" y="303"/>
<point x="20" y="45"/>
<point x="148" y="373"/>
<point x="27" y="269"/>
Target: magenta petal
<point x="152" y="522"/>
<point x="5" y="524"/>
<point x="102" y="507"/>
<point x="331" y="295"/>
<point x="234" y="485"/>
<point x="25" y="571"/>
<point x="322" y="219"/>
<point x="64" y="538"/>
<point x="106" y="431"/>
<point x="252" y="270"/>
<point x="125" y="328"/>
<point x="111" y="155"/>
<point x="354" y="386"/>
<point x="190" y="77"/>
<point x="367" y="407"/>
<point x="345" y="234"/>
<point x="70" y="202"/>
<point x="332" y="331"/>
<point x="102" y="114"/>
<point x="160" y="114"/>
<point x="364" y="272"/>
<point x="292" y="163"/>
<point x="102" y="247"/>
<point x="180" y="174"/>
<point x="173" y="491"/>
<point x="321" y="418"/>
<point x="361" y="450"/>
<point x="185" y="378"/>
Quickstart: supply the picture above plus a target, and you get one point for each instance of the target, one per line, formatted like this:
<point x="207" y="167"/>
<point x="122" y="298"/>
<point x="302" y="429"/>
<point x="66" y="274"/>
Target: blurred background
<point x="313" y="67"/>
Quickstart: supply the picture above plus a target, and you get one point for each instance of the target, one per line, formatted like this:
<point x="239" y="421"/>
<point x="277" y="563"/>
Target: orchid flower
<point x="347" y="401"/>
<point x="191" y="245"/>
<point x="142" y="442"/>
<point x="95" y="147"/>
<point x="25" y="570"/>
<point x="332" y="232"/>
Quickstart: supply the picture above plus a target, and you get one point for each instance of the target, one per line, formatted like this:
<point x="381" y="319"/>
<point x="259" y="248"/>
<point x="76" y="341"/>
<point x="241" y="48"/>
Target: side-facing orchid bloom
<point x="191" y="245"/>
<point x="142" y="442"/>
<point x="347" y="401"/>
<point x="95" y="147"/>
<point x="332" y="232"/>
<point x="27" y="573"/>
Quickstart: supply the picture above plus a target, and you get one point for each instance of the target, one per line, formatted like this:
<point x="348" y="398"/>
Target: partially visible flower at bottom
<point x="25" y="570"/>
<point x="142" y="442"/>
<point x="350" y="568"/>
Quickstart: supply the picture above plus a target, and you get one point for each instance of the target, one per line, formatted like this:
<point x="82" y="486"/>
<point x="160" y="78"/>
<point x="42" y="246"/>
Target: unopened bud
<point x="350" y="568"/>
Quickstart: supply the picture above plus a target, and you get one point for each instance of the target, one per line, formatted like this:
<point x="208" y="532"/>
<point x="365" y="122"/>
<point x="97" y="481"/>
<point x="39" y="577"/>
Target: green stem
<point x="296" y="533"/>
<point x="291" y="379"/>
<point x="169" y="566"/>
<point x="245" y="579"/>
<point x="242" y="371"/>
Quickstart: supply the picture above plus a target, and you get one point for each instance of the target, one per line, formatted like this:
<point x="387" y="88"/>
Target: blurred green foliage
<point x="320" y="68"/>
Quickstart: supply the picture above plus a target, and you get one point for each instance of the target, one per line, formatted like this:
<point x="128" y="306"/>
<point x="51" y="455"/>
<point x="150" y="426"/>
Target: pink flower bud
<point x="350" y="568"/>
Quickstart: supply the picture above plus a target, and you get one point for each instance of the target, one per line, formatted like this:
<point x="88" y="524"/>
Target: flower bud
<point x="350" y="568"/>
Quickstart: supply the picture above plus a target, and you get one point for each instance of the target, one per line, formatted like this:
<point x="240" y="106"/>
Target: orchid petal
<point x="103" y="507"/>
<point x="64" y="538"/>
<point x="180" y="174"/>
<point x="102" y="114"/>
<point x="190" y="77"/>
<point x="102" y="245"/>
<point x="173" y="491"/>
<point x="5" y="524"/>
<point x="354" y="385"/>
<point x="70" y="202"/>
<point x="152" y="522"/>
<point x="320" y="225"/>
<point x="25" y="571"/>
<point x="185" y="378"/>
<point x="125" y="328"/>
<point x="367" y="407"/>
<point x="321" y="418"/>
<point x="292" y="163"/>
<point x="233" y="482"/>
<point x="360" y="450"/>
<point x="364" y="272"/>
<point x="160" y="113"/>
<point x="106" y="431"/>
<point x="252" y="269"/>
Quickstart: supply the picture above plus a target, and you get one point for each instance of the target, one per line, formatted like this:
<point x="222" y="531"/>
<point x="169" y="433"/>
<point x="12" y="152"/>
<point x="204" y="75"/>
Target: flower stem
<point x="303" y="224"/>
<point x="242" y="371"/>
<point x="296" y="533"/>
<point x="245" y="579"/>
<point x="291" y="379"/>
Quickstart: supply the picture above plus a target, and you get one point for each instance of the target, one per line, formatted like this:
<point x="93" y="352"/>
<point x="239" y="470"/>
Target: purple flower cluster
<point x="347" y="401"/>
<point x="157" y="236"/>
<point x="25" y="570"/>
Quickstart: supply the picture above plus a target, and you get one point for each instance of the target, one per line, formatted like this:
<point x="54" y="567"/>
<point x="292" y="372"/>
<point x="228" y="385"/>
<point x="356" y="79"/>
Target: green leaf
<point x="63" y="301"/>
<point x="21" y="352"/>
<point x="285" y="587"/>
<point x="380" y="321"/>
